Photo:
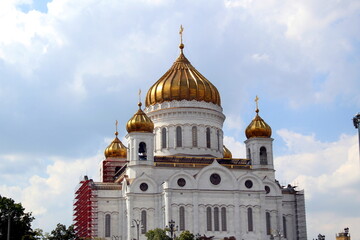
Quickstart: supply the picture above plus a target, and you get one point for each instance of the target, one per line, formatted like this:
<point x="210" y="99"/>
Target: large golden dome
<point x="182" y="82"/>
<point x="116" y="148"/>
<point x="258" y="128"/>
<point x="140" y="122"/>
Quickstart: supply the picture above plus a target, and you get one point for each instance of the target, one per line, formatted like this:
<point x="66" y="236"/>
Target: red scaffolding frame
<point x="85" y="209"/>
<point x="110" y="166"/>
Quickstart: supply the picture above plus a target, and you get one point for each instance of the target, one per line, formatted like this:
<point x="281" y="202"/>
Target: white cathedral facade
<point x="175" y="167"/>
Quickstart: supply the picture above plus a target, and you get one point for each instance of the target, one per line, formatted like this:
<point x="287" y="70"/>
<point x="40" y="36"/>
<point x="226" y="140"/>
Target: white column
<point x="236" y="213"/>
<point x="195" y="225"/>
<point x="168" y="210"/>
<point x="129" y="203"/>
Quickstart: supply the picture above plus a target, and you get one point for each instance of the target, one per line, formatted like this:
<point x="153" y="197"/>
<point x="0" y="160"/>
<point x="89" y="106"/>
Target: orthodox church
<point x="175" y="171"/>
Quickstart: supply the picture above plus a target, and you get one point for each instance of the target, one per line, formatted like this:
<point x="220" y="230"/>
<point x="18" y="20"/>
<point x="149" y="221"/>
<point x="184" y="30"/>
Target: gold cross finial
<point x="181" y="33"/>
<point x="139" y="95"/>
<point x="257" y="103"/>
<point x="116" y="127"/>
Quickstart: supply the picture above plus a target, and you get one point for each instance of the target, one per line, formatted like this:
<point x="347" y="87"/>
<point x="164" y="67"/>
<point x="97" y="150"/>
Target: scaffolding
<point x="85" y="209"/>
<point x="109" y="168"/>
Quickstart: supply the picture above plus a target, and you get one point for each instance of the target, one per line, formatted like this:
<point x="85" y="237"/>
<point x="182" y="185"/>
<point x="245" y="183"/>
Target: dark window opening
<point x="143" y="222"/>
<point x="194" y="137"/>
<point x="178" y="137"/>
<point x="250" y="220"/>
<point x="208" y="139"/>
<point x="163" y="138"/>
<point x="268" y="223"/>
<point x="107" y="225"/>
<point x="142" y="151"/>
<point x="182" y="218"/>
<point x="208" y="219"/>
<point x="263" y="156"/>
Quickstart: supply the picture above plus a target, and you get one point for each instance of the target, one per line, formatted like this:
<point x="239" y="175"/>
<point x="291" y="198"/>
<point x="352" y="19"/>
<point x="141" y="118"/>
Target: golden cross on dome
<point x="257" y="103"/>
<point x="181" y="33"/>
<point x="116" y="127"/>
<point x="139" y="95"/>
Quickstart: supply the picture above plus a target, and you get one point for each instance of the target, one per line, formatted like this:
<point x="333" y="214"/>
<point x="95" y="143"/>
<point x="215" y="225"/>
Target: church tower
<point x="115" y="159"/>
<point x="259" y="142"/>
<point x="140" y="139"/>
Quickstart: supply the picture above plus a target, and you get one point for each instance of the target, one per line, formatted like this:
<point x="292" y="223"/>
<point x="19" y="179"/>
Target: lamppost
<point x="137" y="223"/>
<point x="356" y="121"/>
<point x="320" y="237"/>
<point x="172" y="228"/>
<point x="7" y="215"/>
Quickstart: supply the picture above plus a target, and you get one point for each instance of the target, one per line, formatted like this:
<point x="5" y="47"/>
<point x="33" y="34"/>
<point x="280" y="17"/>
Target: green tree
<point x="20" y="222"/>
<point x="61" y="233"/>
<point x="157" y="234"/>
<point x="186" y="235"/>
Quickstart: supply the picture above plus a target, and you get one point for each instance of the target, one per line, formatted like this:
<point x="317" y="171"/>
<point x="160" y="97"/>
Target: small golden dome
<point x="140" y="122"/>
<point x="226" y="152"/>
<point x="116" y="148"/>
<point x="258" y="128"/>
<point x="182" y="82"/>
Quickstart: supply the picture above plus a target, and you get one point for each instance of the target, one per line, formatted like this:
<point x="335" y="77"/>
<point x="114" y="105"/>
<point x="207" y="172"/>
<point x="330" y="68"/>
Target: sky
<point x="70" y="69"/>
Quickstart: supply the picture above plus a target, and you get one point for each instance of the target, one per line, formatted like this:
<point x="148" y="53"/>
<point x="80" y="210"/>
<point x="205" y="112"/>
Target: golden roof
<point x="140" y="122"/>
<point x="116" y="148"/>
<point x="226" y="152"/>
<point x="258" y="128"/>
<point x="182" y="82"/>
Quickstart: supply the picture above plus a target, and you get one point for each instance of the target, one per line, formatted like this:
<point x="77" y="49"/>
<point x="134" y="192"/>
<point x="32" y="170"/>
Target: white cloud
<point x="50" y="198"/>
<point x="236" y="148"/>
<point x="329" y="173"/>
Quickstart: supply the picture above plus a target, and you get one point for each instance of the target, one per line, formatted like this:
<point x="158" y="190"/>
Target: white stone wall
<point x="164" y="197"/>
<point x="187" y="114"/>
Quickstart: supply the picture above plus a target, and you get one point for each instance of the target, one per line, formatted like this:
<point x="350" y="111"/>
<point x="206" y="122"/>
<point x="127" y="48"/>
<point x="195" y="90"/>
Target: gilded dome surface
<point x="140" y="122"/>
<point x="182" y="82"/>
<point x="226" y="152"/>
<point x="258" y="128"/>
<point x="116" y="148"/>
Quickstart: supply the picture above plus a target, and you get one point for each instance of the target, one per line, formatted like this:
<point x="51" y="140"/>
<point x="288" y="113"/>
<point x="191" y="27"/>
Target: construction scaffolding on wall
<point x="110" y="167"/>
<point x="85" y="209"/>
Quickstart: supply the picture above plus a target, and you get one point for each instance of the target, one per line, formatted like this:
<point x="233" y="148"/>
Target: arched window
<point x="268" y="223"/>
<point x="208" y="219"/>
<point x="194" y="136"/>
<point x="284" y="226"/>
<point x="263" y="156"/>
<point x="107" y="225"/>
<point x="142" y="151"/>
<point x="223" y="219"/>
<point x="208" y="139"/>
<point x="143" y="222"/>
<point x="218" y="140"/>
<point x="178" y="137"/>
<point x="182" y="218"/>
<point x="250" y="220"/>
<point x="216" y="219"/>
<point x="163" y="138"/>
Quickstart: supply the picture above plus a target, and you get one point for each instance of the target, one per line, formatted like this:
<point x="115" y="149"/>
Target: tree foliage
<point x="61" y="233"/>
<point x="186" y="235"/>
<point x="157" y="234"/>
<point x="20" y="222"/>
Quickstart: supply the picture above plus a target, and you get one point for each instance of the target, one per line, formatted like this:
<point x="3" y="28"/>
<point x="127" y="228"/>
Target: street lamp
<point x="4" y="215"/>
<point x="356" y="121"/>
<point x="172" y="228"/>
<point x="137" y="223"/>
<point x="320" y="237"/>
